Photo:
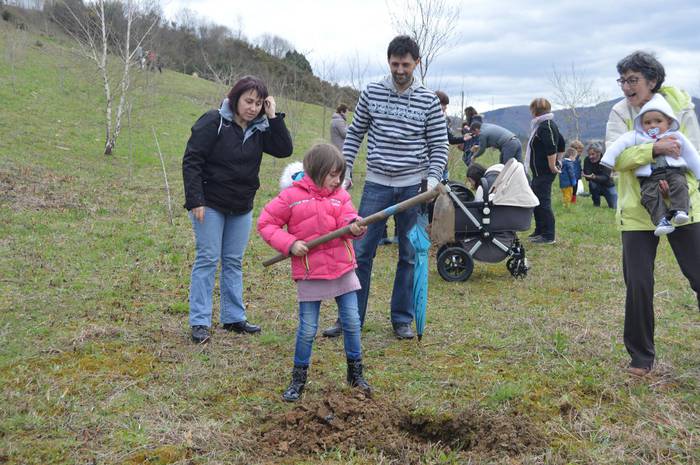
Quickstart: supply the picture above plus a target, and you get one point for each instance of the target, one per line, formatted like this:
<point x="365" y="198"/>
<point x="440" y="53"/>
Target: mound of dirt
<point x="357" y="422"/>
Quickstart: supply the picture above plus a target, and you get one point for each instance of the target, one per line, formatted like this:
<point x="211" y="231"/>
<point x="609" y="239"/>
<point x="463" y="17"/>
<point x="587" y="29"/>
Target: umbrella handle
<point x="374" y="218"/>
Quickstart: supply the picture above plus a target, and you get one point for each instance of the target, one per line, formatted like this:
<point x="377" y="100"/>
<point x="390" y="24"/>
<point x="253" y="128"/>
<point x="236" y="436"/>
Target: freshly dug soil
<point x="357" y="422"/>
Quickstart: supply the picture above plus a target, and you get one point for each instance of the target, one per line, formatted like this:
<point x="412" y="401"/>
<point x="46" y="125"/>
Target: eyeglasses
<point x="633" y="81"/>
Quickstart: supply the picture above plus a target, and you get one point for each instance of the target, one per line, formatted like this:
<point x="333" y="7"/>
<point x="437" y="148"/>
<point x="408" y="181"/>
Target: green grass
<point x="95" y="362"/>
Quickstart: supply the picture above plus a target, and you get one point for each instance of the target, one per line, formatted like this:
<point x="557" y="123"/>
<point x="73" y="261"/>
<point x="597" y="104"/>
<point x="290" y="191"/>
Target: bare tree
<point x="357" y="71"/>
<point x="274" y="45"/>
<point x="573" y="91"/>
<point x="431" y="23"/>
<point x="93" y="34"/>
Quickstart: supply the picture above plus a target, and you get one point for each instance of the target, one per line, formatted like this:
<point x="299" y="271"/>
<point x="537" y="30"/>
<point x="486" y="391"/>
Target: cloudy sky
<point x="504" y="51"/>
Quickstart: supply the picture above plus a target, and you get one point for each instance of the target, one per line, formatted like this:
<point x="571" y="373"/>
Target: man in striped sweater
<point x="406" y="142"/>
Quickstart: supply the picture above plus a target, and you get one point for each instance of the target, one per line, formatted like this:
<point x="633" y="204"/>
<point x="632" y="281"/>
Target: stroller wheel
<point x="517" y="266"/>
<point x="455" y="264"/>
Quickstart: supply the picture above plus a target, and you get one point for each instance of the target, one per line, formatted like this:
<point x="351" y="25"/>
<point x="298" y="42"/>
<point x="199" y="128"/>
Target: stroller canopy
<point x="511" y="187"/>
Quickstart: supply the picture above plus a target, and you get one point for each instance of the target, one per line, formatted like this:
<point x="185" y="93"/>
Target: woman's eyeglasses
<point x="631" y="81"/>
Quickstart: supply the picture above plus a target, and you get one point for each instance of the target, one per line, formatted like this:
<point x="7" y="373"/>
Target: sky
<point x="503" y="52"/>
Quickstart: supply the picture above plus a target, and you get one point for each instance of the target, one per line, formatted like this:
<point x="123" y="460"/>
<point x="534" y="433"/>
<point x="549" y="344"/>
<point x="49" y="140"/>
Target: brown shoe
<point x="639" y="372"/>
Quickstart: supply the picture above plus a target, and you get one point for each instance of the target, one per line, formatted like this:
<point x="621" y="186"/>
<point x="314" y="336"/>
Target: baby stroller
<point x="484" y="230"/>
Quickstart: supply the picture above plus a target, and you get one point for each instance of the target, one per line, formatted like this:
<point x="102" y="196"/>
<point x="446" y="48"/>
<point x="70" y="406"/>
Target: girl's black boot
<point x="296" y="387"/>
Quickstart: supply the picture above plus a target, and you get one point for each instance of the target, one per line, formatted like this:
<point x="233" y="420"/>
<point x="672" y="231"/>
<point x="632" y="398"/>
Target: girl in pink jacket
<point x="313" y="206"/>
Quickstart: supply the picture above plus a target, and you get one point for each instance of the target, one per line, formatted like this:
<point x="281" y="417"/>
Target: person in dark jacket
<point x="339" y="126"/>
<point x="599" y="176"/>
<point x="492" y="135"/>
<point x="451" y="139"/>
<point x="541" y="161"/>
<point x="220" y="170"/>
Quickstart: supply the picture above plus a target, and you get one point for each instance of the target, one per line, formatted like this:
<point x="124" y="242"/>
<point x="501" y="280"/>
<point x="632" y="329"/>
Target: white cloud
<point x="506" y="49"/>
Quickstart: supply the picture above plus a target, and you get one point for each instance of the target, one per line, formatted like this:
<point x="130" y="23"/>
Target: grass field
<point x="96" y="364"/>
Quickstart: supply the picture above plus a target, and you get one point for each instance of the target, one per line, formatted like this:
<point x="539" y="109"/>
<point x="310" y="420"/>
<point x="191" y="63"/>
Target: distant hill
<point x="592" y="122"/>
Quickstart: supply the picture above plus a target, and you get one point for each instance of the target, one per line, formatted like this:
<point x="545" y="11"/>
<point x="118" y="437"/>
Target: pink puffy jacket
<point x="309" y="212"/>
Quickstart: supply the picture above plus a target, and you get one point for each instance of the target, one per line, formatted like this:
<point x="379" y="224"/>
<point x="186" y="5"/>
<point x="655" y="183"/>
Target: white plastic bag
<point x="579" y="187"/>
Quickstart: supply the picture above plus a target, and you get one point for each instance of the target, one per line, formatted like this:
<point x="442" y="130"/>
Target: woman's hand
<point x="198" y="213"/>
<point x="299" y="249"/>
<point x="357" y="230"/>
<point x="668" y="146"/>
<point x="270" y="106"/>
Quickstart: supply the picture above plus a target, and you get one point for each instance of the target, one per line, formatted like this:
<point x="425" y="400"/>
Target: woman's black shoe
<point x="242" y="327"/>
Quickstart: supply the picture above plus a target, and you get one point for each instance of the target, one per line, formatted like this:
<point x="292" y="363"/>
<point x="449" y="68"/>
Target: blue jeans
<point x="609" y="193"/>
<point x="219" y="237"/>
<point x="376" y="197"/>
<point x="308" y="325"/>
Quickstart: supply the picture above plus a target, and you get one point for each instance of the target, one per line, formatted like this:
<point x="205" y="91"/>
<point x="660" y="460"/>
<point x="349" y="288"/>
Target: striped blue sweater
<point x="406" y="138"/>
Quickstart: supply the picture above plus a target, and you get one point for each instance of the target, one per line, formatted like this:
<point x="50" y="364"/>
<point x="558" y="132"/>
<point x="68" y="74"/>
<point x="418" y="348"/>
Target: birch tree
<point x="93" y="35"/>
<point x="573" y="91"/>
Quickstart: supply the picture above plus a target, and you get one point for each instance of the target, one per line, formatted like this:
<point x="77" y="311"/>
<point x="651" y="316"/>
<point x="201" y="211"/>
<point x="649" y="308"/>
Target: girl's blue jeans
<point x="221" y="237"/>
<point x="308" y="325"/>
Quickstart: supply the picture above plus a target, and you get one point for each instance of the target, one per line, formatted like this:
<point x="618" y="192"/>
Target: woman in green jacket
<point x="641" y="76"/>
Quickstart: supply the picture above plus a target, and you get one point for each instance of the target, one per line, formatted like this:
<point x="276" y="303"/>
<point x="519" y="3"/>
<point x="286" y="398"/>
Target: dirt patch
<point x="34" y="189"/>
<point x="355" y="422"/>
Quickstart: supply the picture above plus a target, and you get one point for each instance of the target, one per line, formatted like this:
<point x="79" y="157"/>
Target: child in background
<point x="567" y="177"/>
<point x="315" y="205"/>
<point x="578" y="145"/>
<point x="655" y="121"/>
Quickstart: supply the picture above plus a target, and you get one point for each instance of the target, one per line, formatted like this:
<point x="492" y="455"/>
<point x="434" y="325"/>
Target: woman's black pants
<point x="544" y="216"/>
<point x="638" y="254"/>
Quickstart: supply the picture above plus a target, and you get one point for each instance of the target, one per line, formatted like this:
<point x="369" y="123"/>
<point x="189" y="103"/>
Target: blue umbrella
<point x="421" y="243"/>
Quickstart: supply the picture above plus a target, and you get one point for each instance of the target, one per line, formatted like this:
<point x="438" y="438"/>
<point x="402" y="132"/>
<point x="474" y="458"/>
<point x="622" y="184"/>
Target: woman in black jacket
<point x="220" y="170"/>
<point x="541" y="160"/>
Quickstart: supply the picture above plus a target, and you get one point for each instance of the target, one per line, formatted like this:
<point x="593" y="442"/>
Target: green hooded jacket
<point x="631" y="214"/>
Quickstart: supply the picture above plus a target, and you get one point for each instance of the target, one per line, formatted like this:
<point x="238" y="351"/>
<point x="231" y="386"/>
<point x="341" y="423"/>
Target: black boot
<point x="296" y="387"/>
<point x="355" y="378"/>
<point x="334" y="331"/>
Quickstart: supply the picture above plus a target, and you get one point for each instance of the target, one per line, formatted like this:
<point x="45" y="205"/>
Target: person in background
<point x="641" y="77"/>
<point x="339" y="126"/>
<point x="471" y="115"/>
<point x="494" y="136"/>
<point x="599" y="176"/>
<point x="220" y="170"/>
<point x="567" y="176"/>
<point x="452" y="140"/>
<point x="540" y="160"/>
<point x="578" y="146"/>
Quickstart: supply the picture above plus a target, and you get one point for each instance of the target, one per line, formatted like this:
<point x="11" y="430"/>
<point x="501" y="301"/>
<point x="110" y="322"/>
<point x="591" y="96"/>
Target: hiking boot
<point x="334" y="331"/>
<point x="403" y="331"/>
<point x="664" y="227"/>
<point x="542" y="240"/>
<point x="296" y="387"/>
<point x="200" y="334"/>
<point x="242" y="327"/>
<point x="680" y="218"/>
<point x="355" y="378"/>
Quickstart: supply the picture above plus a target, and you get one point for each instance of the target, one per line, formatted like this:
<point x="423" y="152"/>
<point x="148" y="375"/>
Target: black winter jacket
<point x="220" y="171"/>
<point x="601" y="173"/>
<point x="547" y="141"/>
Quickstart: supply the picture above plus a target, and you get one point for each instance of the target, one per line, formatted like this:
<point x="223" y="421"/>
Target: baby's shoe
<point x="664" y="227"/>
<point x="680" y="218"/>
